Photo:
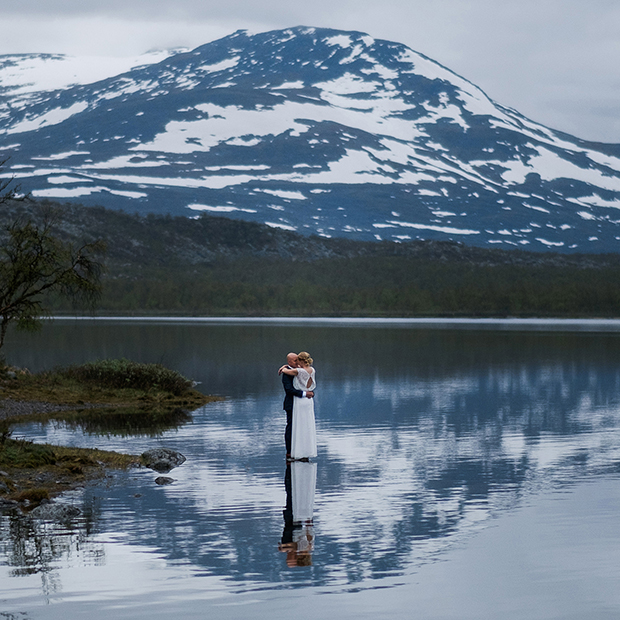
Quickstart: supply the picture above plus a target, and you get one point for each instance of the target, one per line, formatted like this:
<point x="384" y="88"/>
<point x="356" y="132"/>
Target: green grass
<point x="109" y="382"/>
<point x="25" y="454"/>
<point x="37" y="472"/>
<point x="125" y="374"/>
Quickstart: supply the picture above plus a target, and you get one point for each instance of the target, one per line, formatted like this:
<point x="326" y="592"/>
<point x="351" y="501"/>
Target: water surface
<point x="459" y="472"/>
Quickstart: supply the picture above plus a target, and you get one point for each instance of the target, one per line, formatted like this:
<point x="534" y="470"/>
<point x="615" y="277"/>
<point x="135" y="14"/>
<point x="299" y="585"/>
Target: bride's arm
<point x="288" y="371"/>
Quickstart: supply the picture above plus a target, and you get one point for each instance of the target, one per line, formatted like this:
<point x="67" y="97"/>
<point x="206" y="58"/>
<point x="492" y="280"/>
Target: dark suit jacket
<point x="287" y="382"/>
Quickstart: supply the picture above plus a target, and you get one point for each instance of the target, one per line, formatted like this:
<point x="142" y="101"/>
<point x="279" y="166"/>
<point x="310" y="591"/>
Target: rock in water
<point x="163" y="480"/>
<point x="162" y="459"/>
<point x="55" y="512"/>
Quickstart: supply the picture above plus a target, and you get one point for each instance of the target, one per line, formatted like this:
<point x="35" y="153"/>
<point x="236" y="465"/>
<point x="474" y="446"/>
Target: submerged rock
<point x="163" y="480"/>
<point x="55" y="512"/>
<point x="162" y="459"/>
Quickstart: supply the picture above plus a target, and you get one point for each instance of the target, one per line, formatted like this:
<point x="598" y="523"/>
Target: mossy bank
<point x="109" y="397"/>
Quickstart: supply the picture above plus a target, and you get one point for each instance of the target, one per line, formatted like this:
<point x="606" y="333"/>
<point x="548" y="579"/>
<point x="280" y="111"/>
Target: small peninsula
<point x="108" y="396"/>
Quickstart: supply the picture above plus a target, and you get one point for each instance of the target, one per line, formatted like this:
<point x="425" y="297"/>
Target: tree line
<point x="372" y="286"/>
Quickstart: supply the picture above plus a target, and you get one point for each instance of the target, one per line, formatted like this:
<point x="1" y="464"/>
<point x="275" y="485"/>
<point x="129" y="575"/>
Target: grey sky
<point x="556" y="61"/>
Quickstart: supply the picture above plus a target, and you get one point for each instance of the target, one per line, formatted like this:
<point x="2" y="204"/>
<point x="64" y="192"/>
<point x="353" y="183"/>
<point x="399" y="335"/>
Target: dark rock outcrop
<point x="162" y="459"/>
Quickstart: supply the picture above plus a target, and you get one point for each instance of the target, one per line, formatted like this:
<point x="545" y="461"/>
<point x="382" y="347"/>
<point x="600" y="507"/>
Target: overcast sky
<point x="556" y="61"/>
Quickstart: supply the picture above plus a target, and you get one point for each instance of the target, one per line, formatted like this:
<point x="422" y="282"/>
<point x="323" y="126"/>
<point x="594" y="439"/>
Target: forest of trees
<point x="366" y="287"/>
<point x="159" y="265"/>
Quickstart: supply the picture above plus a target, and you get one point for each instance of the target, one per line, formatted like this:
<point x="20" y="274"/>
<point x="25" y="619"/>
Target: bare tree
<point x="9" y="190"/>
<point x="35" y="263"/>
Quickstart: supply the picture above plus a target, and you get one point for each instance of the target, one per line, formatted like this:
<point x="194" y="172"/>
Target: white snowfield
<point x="23" y="74"/>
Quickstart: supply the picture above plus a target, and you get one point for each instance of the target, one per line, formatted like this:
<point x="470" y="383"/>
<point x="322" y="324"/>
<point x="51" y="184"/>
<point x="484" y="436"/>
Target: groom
<point x="290" y="392"/>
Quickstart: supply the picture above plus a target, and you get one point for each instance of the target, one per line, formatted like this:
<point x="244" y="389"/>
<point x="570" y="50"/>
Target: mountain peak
<point x="320" y="131"/>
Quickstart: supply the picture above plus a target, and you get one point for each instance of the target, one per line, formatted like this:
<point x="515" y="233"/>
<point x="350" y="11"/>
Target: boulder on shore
<point x="162" y="459"/>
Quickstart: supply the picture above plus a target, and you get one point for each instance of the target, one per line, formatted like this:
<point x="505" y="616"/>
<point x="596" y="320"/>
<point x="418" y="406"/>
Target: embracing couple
<point x="298" y="379"/>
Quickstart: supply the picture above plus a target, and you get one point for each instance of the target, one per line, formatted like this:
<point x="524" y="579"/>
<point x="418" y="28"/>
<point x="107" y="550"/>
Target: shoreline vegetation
<point x="117" y="397"/>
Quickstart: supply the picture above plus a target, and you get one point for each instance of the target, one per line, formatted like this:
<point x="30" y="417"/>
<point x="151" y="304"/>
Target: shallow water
<point x="461" y="473"/>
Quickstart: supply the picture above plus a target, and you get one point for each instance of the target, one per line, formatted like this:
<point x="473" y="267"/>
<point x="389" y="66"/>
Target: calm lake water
<point x="461" y="473"/>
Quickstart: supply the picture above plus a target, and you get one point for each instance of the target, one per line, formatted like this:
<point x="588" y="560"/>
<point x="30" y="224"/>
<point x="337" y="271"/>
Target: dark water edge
<point x="518" y="324"/>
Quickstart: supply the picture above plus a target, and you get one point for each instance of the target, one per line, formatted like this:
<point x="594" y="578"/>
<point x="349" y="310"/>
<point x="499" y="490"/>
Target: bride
<point x="303" y="443"/>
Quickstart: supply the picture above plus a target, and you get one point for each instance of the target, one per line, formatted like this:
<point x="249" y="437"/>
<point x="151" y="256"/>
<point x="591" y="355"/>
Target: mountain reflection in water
<point x="423" y="436"/>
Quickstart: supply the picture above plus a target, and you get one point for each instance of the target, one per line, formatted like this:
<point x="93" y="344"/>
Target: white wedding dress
<point x="303" y="487"/>
<point x="303" y="444"/>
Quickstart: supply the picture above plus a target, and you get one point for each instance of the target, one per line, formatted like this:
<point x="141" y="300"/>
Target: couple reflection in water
<point x="299" y="382"/>
<point x="298" y="534"/>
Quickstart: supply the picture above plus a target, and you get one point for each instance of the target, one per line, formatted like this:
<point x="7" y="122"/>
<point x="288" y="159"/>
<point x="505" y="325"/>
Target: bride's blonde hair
<point x="304" y="357"/>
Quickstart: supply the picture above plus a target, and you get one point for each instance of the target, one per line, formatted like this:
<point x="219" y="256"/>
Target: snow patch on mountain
<point x="283" y="194"/>
<point x="218" y="209"/>
<point x="77" y="192"/>
<point x="52" y="117"/>
<point x="550" y="166"/>
<point x="22" y="74"/>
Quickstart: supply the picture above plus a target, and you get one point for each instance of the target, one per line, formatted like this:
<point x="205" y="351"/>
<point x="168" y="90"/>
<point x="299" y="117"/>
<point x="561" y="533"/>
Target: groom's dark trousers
<point x="290" y="391"/>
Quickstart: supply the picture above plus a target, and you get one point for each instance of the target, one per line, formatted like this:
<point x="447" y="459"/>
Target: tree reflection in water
<point x="37" y="547"/>
<point x="124" y="422"/>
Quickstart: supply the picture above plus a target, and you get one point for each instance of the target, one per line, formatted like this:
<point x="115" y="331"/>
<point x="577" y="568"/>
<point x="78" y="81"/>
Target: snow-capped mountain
<point x="318" y="131"/>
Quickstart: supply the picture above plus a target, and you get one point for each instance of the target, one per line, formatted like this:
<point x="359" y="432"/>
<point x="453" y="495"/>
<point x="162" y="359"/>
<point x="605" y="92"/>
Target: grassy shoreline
<point x="107" y="397"/>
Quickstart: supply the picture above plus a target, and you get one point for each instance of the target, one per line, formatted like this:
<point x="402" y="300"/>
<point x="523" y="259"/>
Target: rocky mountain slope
<point x="315" y="131"/>
<point x="135" y="242"/>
